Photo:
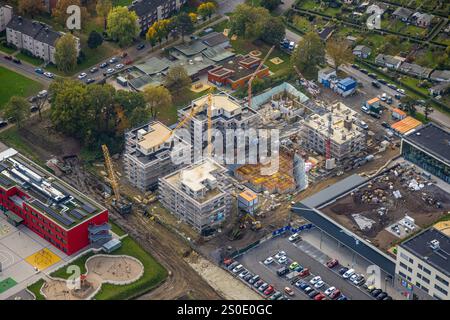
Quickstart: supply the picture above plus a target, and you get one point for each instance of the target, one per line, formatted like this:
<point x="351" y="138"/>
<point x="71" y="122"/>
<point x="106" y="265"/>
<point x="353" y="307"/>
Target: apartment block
<point x="422" y="267"/>
<point x="150" y="11"/>
<point x="346" y="137"/>
<point x="148" y="154"/>
<point x="197" y="195"/>
<point x="35" y="37"/>
<point x="6" y="14"/>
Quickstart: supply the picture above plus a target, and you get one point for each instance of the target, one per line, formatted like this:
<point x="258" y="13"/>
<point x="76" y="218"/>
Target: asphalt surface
<point x="253" y="259"/>
<point x="25" y="69"/>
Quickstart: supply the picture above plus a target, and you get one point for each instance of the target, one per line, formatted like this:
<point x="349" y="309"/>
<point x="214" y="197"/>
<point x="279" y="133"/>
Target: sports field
<point x="14" y="84"/>
<point x="7" y="284"/>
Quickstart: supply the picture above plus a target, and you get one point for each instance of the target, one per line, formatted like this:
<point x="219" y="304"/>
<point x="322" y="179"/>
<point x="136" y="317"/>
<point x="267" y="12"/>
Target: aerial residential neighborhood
<point x="200" y="150"/>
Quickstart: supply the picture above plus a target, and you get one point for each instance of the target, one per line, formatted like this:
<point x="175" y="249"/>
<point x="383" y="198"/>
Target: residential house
<point x="440" y="75"/>
<point x="415" y="70"/>
<point x="440" y="89"/>
<point x="362" y="51"/>
<point x="326" y="33"/>
<point x="388" y="61"/>
<point x="402" y="14"/>
<point x="422" y="19"/>
<point x="150" y="11"/>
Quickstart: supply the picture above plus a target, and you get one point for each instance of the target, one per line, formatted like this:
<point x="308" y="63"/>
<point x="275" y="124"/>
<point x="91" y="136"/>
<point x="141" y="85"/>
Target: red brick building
<point x="237" y="71"/>
<point x="49" y="207"/>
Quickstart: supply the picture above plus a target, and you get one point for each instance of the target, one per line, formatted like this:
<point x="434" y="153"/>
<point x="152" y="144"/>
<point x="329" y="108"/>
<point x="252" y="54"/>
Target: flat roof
<point x="420" y="246"/>
<point x="49" y="195"/>
<point x="406" y="125"/>
<point x="219" y="101"/>
<point x="154" y="135"/>
<point x="248" y="195"/>
<point x="373" y="100"/>
<point x="333" y="191"/>
<point x="434" y="139"/>
<point x="401" y="112"/>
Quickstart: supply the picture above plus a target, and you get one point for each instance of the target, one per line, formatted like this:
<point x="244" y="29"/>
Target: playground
<point x="101" y="269"/>
<point x="42" y="259"/>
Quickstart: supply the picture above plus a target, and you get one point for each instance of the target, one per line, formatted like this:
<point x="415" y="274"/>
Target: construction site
<point x="392" y="205"/>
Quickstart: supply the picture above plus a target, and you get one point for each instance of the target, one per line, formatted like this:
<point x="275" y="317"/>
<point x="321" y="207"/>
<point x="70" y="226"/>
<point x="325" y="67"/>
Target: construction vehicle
<point x="256" y="224"/>
<point x="252" y="78"/>
<point x="121" y="205"/>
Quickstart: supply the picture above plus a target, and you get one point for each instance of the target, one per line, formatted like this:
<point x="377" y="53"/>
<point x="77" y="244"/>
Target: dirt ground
<point x="99" y="270"/>
<point x="229" y="287"/>
<point x="411" y="203"/>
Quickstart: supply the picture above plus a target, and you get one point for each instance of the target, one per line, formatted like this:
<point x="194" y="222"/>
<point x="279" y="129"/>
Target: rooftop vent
<point x="434" y="244"/>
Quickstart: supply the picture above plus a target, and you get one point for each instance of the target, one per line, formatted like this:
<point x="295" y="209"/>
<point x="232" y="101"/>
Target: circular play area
<point x="255" y="53"/>
<point x="118" y="270"/>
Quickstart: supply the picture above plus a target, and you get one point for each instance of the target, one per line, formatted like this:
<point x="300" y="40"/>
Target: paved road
<point x="25" y="69"/>
<point x="252" y="260"/>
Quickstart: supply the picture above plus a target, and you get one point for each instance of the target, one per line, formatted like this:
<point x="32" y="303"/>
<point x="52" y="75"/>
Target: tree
<point x="158" y="31"/>
<point x="95" y="40"/>
<point x="309" y="53"/>
<point x="66" y="53"/>
<point x="157" y="98"/>
<point x="103" y="7"/>
<point x="340" y="51"/>
<point x="207" y="9"/>
<point x="177" y="80"/>
<point x="17" y="109"/>
<point x="427" y="109"/>
<point x="123" y="25"/>
<point x="30" y="7"/>
<point x="193" y="17"/>
<point x="409" y="105"/>
<point x="59" y="13"/>
<point x="273" y="31"/>
<point x="270" y="4"/>
<point x="247" y="21"/>
<point x="184" y="24"/>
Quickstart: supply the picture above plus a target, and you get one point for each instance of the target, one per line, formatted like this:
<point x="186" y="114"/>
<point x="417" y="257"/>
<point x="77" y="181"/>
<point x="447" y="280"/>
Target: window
<point x="438" y="288"/>
<point x="443" y="281"/>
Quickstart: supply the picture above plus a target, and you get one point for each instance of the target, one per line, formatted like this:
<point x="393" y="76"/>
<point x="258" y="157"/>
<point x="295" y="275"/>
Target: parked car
<point x="233" y="265"/>
<point x="280" y="254"/>
<point x="17" y="61"/>
<point x="39" y="71"/>
<point x="254" y="279"/>
<point x="119" y="66"/>
<point x="304" y="273"/>
<point x="247" y="277"/>
<point x="238" y="268"/>
<point x="110" y="70"/>
<point x="276" y="295"/>
<point x="348" y="273"/>
<point x="385" y="125"/>
<point x="8" y="57"/>
<point x="258" y="283"/>
<point x="308" y="289"/>
<point x="243" y="273"/>
<point x="315" y="280"/>
<point x="319" y="297"/>
<point x="343" y="270"/>
<point x="382" y="81"/>
<point x="268" y="261"/>
<point x="282" y="260"/>
<point x="353" y="277"/>
<point x="399" y="90"/>
<point x="294" y="265"/>
<point x="49" y="75"/>
<point x="359" y="281"/>
<point x="334" y="262"/>
<point x="113" y="60"/>
<point x="335" y="294"/>
<point x="392" y="86"/>
<point x="363" y="125"/>
<point x="140" y="46"/>
<point x="289" y="291"/>
<point x="294" y="237"/>
<point x="375" y="292"/>
<point x="33" y="108"/>
<point x="82" y="75"/>
<point x="32" y="99"/>
<point x="319" y="284"/>
<point x="376" y="84"/>
<point x="355" y="66"/>
<point x="42" y="94"/>
<point x="364" y="71"/>
<point x="372" y="75"/>
<point x="313" y="293"/>
<point x="381" y="296"/>
<point x="93" y="70"/>
<point x="3" y="123"/>
<point x="398" y="96"/>
<point x="104" y="65"/>
<point x="342" y="297"/>
<point x="330" y="290"/>
<point x="282" y="271"/>
<point x="387" y="298"/>
<point x="263" y="287"/>
<point x="301" y="284"/>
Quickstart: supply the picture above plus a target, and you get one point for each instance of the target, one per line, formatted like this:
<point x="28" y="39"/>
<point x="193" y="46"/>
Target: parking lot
<point x="254" y="259"/>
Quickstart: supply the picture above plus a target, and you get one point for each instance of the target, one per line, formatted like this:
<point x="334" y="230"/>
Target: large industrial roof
<point x="433" y="139"/>
<point x="406" y="125"/>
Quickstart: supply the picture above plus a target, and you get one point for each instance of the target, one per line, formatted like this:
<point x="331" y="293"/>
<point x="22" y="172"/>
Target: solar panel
<point x="78" y="214"/>
<point x="6" y="182"/>
<point x="52" y="213"/>
<point x="88" y="208"/>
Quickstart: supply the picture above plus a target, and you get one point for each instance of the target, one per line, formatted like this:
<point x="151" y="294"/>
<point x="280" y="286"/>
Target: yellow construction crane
<point x="122" y="206"/>
<point x="255" y="74"/>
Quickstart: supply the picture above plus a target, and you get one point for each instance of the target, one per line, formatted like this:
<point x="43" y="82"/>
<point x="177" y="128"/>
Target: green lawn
<point x="36" y="289"/>
<point x="14" y="84"/>
<point x="116" y="229"/>
<point x="154" y="273"/>
<point x="32" y="60"/>
<point x="7" y="50"/>
<point x="7" y="284"/>
<point x="12" y="138"/>
<point x="121" y="2"/>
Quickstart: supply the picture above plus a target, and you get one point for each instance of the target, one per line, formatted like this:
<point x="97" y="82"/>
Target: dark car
<point x="254" y="279"/>
<point x="372" y="75"/>
<point x="387" y="298"/>
<point x="381" y="296"/>
<point x="382" y="81"/>
<point x="140" y="46"/>
<point x="89" y="81"/>
<point x="33" y="108"/>
<point x="3" y="123"/>
<point x="385" y="125"/>
<point x="355" y="66"/>
<point x="39" y="71"/>
<point x="313" y="293"/>
<point x="343" y="270"/>
<point x="376" y="292"/>
<point x="375" y="115"/>
<point x="104" y="65"/>
<point x="15" y="60"/>
<point x="332" y="263"/>
<point x="335" y="294"/>
<point x="258" y="283"/>
<point x="302" y="285"/>
<point x="282" y="271"/>
<point x="376" y="84"/>
<point x="364" y="71"/>
<point x="248" y="277"/>
<point x="398" y="96"/>
<point x="8" y="57"/>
